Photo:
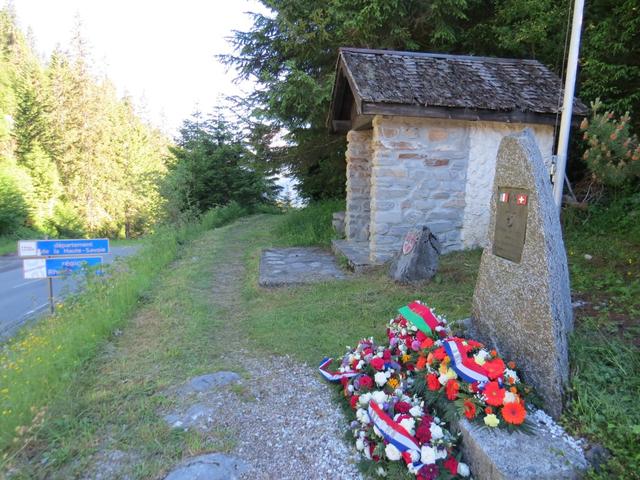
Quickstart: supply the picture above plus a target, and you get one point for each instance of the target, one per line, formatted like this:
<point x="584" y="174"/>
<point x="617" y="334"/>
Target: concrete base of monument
<point x="356" y="253"/>
<point x="549" y="454"/>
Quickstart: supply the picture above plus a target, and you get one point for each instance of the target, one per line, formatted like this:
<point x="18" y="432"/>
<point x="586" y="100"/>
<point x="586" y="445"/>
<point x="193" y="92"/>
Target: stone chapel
<point x="423" y="132"/>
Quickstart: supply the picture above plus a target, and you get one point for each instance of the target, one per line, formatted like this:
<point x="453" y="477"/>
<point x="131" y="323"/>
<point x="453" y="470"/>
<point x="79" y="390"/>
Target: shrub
<point x="613" y="153"/>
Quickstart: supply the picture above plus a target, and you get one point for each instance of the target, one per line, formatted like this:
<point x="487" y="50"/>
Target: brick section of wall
<point x="418" y="176"/>
<point x="358" y="185"/>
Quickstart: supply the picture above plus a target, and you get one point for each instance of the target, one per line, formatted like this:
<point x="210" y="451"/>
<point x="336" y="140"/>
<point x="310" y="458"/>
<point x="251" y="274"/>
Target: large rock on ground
<point x="522" y="302"/>
<point x="418" y="257"/>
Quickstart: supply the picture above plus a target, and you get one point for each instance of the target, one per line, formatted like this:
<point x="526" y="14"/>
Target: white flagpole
<point x="567" y="104"/>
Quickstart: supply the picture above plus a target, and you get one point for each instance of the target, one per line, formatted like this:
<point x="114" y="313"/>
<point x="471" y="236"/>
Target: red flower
<point x="366" y="382"/>
<point x="386" y="355"/>
<point x="494" y="368"/>
<point x="420" y="336"/>
<point x="514" y="413"/>
<point x="353" y="401"/>
<point x="469" y="409"/>
<point x="426" y="343"/>
<point x="439" y="353"/>
<point x="432" y="382"/>
<point x="488" y="410"/>
<point x="402" y="407"/>
<point x="452" y="389"/>
<point x="494" y="394"/>
<point x="377" y="363"/>
<point x="451" y="464"/>
<point x="428" y="472"/>
<point x="423" y="432"/>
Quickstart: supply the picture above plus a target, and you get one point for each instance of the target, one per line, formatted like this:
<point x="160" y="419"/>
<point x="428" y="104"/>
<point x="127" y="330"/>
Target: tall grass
<point x="42" y="362"/>
<point x="310" y="225"/>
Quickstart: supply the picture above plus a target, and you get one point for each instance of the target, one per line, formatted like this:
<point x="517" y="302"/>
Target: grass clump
<point x="40" y="365"/>
<point x="603" y="248"/>
<point x="310" y="225"/>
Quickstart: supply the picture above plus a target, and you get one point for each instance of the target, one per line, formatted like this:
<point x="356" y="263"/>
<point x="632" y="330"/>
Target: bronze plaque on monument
<point x="511" y="223"/>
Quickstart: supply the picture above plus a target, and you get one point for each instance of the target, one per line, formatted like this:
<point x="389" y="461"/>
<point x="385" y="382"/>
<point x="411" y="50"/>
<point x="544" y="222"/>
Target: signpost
<point x="55" y="258"/>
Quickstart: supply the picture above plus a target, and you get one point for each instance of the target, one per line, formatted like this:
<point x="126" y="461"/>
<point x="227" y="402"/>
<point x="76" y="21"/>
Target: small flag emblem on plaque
<point x="504" y="197"/>
<point x="521" y="199"/>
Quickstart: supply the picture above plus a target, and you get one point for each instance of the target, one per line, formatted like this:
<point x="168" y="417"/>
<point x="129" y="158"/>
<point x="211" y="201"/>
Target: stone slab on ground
<point x="198" y="416"/>
<point x="549" y="454"/>
<point x="356" y="253"/>
<point x="295" y="266"/>
<point x="522" y="301"/>
<point x="210" y="381"/>
<point x="212" y="466"/>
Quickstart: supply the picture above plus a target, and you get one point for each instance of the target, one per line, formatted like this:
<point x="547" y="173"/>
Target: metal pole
<point x="567" y="104"/>
<point x="51" y="306"/>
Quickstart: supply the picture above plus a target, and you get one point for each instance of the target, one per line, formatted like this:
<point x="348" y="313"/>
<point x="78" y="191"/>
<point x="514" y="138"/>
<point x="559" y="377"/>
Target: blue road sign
<point x="57" y="267"/>
<point x="50" y="248"/>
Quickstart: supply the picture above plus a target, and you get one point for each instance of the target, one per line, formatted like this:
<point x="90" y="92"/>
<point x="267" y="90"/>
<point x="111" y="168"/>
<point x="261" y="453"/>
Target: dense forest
<point x="291" y="54"/>
<point x="74" y="158"/>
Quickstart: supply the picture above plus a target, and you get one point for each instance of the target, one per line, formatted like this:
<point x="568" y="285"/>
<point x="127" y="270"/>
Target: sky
<point x="160" y="52"/>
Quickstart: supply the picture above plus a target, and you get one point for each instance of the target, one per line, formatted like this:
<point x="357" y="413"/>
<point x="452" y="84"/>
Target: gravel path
<point x="285" y="425"/>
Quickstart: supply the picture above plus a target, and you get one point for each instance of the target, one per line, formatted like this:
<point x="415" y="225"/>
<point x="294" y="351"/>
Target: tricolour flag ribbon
<point x="421" y="316"/>
<point x="334" y="376"/>
<point x="395" y="434"/>
<point x="466" y="368"/>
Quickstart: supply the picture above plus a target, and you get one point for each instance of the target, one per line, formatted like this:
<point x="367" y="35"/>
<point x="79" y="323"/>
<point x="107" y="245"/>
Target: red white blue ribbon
<point x="395" y="434"/>
<point x="334" y="376"/>
<point x="467" y="369"/>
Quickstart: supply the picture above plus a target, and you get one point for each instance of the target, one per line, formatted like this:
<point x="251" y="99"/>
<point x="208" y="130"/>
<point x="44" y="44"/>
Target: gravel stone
<point x="212" y="466"/>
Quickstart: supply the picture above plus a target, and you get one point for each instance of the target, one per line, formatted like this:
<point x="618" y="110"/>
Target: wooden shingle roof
<point x="370" y="82"/>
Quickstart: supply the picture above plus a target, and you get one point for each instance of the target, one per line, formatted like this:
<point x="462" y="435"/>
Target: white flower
<point x="409" y="424"/>
<point x="427" y="455"/>
<point x="381" y="472"/>
<point x="436" y="432"/>
<point x="379" y="397"/>
<point x="511" y="374"/>
<point x="392" y="452"/>
<point x="403" y="331"/>
<point x="509" y="398"/>
<point x="362" y="416"/>
<point x="440" y="454"/>
<point x="463" y="469"/>
<point x="364" y="399"/>
<point x="479" y="359"/>
<point x="350" y="388"/>
<point x="359" y="444"/>
<point x="415" y="411"/>
<point x="443" y="378"/>
<point x="380" y="378"/>
<point x="398" y="392"/>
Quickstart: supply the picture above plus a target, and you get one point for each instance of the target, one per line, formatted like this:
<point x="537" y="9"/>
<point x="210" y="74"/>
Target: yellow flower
<point x="393" y="383"/>
<point x="405" y="358"/>
<point x="491" y="420"/>
<point x="451" y="374"/>
<point x="443" y="369"/>
<point x="479" y="358"/>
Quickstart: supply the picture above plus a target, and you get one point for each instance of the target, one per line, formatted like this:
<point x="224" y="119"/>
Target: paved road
<point x="23" y="300"/>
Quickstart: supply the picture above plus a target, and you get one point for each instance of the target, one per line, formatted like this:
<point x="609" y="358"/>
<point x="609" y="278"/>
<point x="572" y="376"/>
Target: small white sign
<point x="28" y="248"/>
<point x="34" y="268"/>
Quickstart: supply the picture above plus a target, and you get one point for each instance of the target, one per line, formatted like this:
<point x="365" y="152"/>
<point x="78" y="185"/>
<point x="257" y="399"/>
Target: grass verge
<point x="40" y="365"/>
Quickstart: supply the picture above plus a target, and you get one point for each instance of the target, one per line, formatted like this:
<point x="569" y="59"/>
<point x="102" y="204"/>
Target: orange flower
<point x="514" y="413"/>
<point x="452" y="389"/>
<point x="426" y="343"/>
<point x="494" y="394"/>
<point x="512" y="380"/>
<point x="494" y="368"/>
<point x="422" y="361"/>
<point x="469" y="409"/>
<point x="513" y="390"/>
<point x="494" y="353"/>
<point x="512" y="365"/>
